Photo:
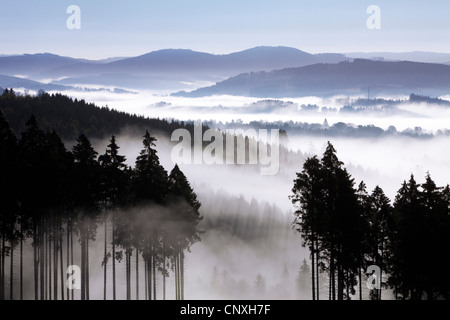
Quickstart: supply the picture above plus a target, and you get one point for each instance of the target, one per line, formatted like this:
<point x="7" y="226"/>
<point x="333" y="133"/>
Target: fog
<point x="247" y="216"/>
<point x="224" y="265"/>
<point x="228" y="108"/>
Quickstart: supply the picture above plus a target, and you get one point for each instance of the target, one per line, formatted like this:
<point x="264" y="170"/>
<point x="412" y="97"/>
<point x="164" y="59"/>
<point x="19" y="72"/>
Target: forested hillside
<point x="72" y="117"/>
<point x="53" y="195"/>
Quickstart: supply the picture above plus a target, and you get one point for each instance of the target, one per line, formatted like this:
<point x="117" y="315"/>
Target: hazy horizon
<point x="118" y="29"/>
<point x="112" y="56"/>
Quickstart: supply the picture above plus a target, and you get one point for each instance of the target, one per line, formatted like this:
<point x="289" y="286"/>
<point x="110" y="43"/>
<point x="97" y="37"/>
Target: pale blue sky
<point x="127" y="28"/>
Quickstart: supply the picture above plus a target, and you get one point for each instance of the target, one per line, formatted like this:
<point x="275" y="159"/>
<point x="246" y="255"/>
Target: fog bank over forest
<point x="248" y="247"/>
<point x="385" y="160"/>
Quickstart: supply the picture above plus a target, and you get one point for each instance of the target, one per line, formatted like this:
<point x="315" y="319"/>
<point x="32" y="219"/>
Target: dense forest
<point x="71" y="117"/>
<point x="51" y="194"/>
<point x="347" y="229"/>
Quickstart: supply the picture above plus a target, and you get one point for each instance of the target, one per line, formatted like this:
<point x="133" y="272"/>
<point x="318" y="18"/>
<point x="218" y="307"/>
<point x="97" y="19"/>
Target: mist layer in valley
<point x="249" y="248"/>
<point x="248" y="217"/>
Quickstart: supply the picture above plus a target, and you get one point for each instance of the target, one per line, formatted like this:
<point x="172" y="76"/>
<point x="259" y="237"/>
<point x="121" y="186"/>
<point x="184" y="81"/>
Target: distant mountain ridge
<point x="165" y="66"/>
<point x="15" y="82"/>
<point x="183" y="69"/>
<point x="323" y="79"/>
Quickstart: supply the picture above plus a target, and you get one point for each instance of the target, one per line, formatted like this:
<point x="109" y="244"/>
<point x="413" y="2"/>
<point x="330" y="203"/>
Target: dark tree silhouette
<point x="186" y="217"/>
<point x="114" y="187"/>
<point x="87" y="195"/>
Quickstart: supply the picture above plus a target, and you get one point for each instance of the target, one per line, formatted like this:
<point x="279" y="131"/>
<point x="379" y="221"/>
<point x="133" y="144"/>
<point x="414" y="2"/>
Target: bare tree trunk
<point x="105" y="260"/>
<point x="127" y="259"/>
<point x="35" y="262"/>
<point x="41" y="261"/>
<point x="61" y="264"/>
<point x="137" y="274"/>
<point x="149" y="277"/>
<point x="340" y="281"/>
<point x="145" y="279"/>
<point x="182" y="274"/>
<point x="330" y="286"/>
<point x="21" y="261"/>
<point x="381" y="268"/>
<point x="154" y="276"/>
<point x="87" y="267"/>
<point x="71" y="250"/>
<point x="317" y="270"/>
<point x="360" y="283"/>
<point x="313" y="264"/>
<point x="45" y="266"/>
<point x="49" y="256"/>
<point x="177" y="276"/>
<point x="113" y="256"/>
<point x="348" y="285"/>
<point x="332" y="274"/>
<point x="2" y="271"/>
<point x="11" y="275"/>
<point x="55" y="263"/>
<point x="175" y="271"/>
<point x="164" y="270"/>
<point x="68" y="254"/>
<point x="83" y="262"/>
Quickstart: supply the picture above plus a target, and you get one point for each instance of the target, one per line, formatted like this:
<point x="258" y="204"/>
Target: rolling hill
<point x="341" y="78"/>
<point x="159" y="69"/>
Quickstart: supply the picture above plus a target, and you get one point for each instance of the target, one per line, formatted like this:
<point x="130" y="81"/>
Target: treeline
<point x="51" y="196"/>
<point x="347" y="230"/>
<point x="72" y="117"/>
<point x="338" y="129"/>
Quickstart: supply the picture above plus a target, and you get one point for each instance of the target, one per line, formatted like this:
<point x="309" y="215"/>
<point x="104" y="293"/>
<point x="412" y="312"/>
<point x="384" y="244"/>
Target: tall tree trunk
<point x="41" y="260"/>
<point x="61" y="264"/>
<point x="127" y="259"/>
<point x="182" y="274"/>
<point x="11" y="276"/>
<point x="87" y="267"/>
<point x="149" y="265"/>
<point x="113" y="256"/>
<point x="176" y="276"/>
<point x="179" y="276"/>
<point x="347" y="285"/>
<point x="317" y="270"/>
<point x="330" y="286"/>
<point x="137" y="274"/>
<point x="332" y="275"/>
<point x="71" y="251"/>
<point x="1" y="285"/>
<point x="145" y="279"/>
<point x="35" y="262"/>
<point x="360" y="282"/>
<point x="340" y="281"/>
<point x="313" y="263"/>
<point x="83" y="263"/>
<point x="55" y="263"/>
<point x="68" y="254"/>
<point x="381" y="268"/>
<point x="49" y="263"/>
<point x="44" y="262"/>
<point x="21" y="261"/>
<point x="2" y="271"/>
<point x="105" y="260"/>
<point x="154" y="276"/>
<point x="164" y="270"/>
